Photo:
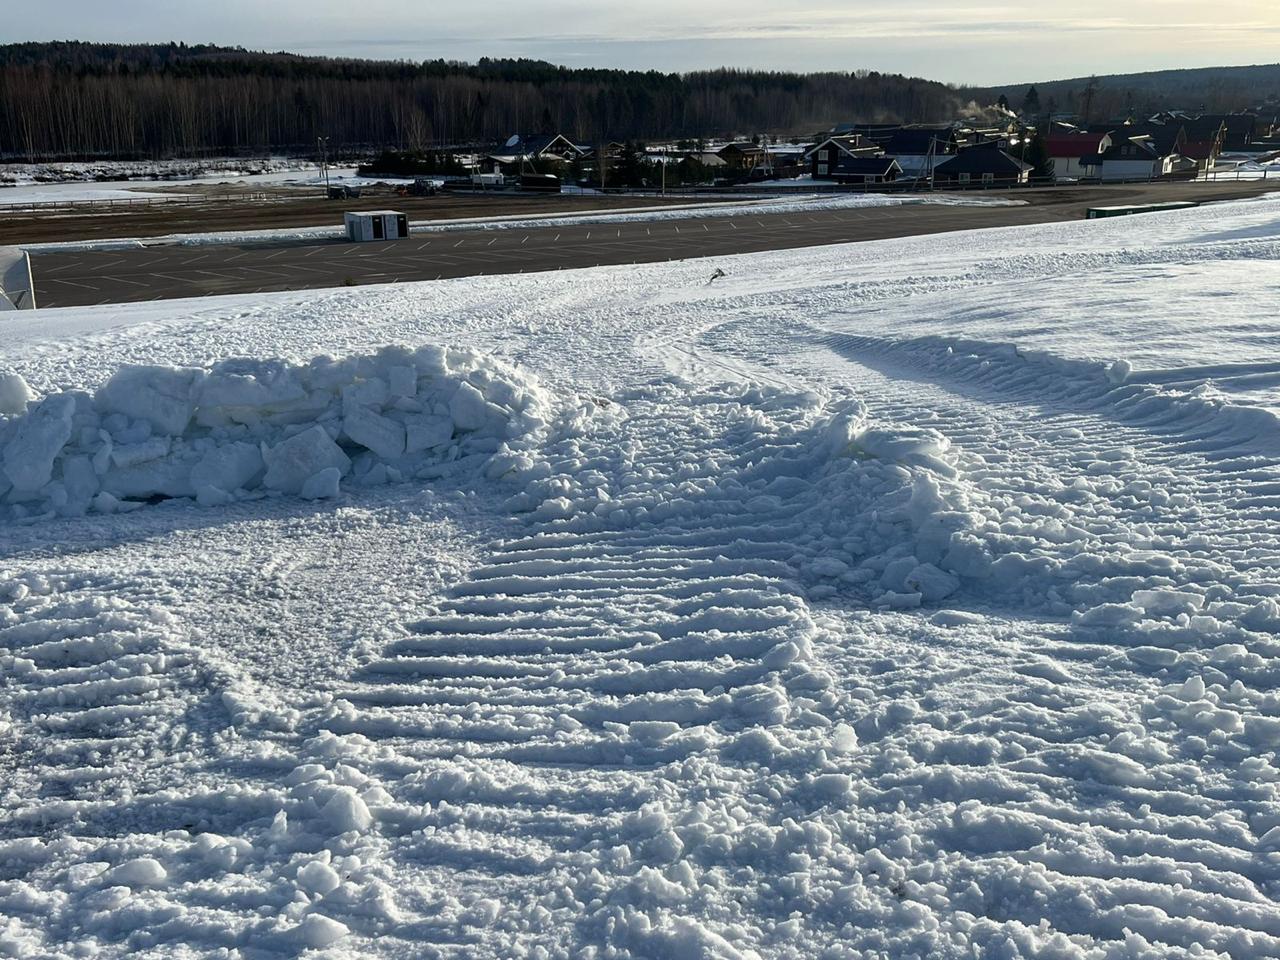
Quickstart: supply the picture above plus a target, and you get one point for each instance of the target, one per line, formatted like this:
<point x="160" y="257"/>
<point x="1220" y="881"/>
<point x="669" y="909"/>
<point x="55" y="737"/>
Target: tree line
<point x="80" y="100"/>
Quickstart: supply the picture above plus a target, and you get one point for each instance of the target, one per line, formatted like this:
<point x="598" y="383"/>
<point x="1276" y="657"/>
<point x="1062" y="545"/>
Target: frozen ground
<point x="905" y="599"/>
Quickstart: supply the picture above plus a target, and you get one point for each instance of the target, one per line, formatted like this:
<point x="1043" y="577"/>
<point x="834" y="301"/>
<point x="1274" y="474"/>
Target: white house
<point x="1072" y="153"/>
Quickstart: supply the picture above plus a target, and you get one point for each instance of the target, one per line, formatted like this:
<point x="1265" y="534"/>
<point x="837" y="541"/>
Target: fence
<point x="896" y="187"/>
<point x="47" y="206"/>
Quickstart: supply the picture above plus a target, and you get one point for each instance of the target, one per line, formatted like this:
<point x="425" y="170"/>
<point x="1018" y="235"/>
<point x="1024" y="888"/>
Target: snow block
<point x="29" y="456"/>
<point x="160" y="395"/>
<point x="291" y="463"/>
<point x="323" y="485"/>
<point x="317" y="931"/>
<point x="427" y="432"/>
<point x="931" y="583"/>
<point x="228" y="467"/>
<point x="383" y="436"/>
<point x="14" y="395"/>
<point x="470" y="410"/>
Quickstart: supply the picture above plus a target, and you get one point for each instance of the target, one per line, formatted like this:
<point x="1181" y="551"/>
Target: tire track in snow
<point x="1139" y="801"/>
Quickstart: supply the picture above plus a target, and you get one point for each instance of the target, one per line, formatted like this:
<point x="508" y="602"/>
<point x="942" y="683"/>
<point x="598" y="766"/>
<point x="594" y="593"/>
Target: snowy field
<point x="910" y="599"/>
<point x="20" y="174"/>
<point x="25" y="184"/>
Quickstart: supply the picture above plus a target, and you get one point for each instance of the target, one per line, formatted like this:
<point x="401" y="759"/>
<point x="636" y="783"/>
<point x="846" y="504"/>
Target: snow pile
<point x="874" y="512"/>
<point x="250" y="428"/>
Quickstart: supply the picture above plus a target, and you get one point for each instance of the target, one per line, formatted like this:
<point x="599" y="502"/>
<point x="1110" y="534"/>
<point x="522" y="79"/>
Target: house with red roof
<point x="1072" y="152"/>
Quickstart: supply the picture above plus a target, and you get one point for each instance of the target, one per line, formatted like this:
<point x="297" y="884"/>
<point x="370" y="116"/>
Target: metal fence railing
<point x="48" y="206"/>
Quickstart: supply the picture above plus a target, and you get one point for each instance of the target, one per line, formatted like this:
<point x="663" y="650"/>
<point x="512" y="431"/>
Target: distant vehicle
<point x="423" y="187"/>
<point x="343" y="192"/>
<point x="366" y="225"/>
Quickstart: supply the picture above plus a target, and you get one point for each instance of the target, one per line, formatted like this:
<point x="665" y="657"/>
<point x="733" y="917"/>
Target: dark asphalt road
<point x="168" y="271"/>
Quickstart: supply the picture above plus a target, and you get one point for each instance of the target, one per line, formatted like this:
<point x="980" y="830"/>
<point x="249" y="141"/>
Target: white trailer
<point x="366" y="225"/>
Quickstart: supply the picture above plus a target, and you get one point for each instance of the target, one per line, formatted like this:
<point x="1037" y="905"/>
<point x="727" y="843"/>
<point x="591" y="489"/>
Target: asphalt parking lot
<point x="169" y="271"/>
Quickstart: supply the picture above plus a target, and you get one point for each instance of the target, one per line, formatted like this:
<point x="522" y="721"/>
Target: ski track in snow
<point x="848" y="609"/>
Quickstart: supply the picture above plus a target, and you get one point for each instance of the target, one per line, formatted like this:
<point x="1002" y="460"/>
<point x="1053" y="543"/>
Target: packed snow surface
<point x="904" y="599"/>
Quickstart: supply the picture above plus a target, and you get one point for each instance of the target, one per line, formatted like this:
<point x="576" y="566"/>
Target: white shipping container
<point x="363" y="226"/>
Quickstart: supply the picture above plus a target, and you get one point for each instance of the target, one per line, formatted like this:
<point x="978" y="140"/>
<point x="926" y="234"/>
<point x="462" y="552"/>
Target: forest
<point x="75" y="100"/>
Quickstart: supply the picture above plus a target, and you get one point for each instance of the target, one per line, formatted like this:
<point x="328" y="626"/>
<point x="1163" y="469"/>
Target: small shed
<point x="376" y="225"/>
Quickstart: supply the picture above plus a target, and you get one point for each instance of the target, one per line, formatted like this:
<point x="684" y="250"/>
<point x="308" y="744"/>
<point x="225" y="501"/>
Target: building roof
<point x="1165" y="138"/>
<point x="519" y="146"/>
<point x="1204" y="128"/>
<point x="1140" y="146"/>
<point x="1071" y="145"/>
<point x="853" y="146"/>
<point x="843" y="129"/>
<point x="982" y="160"/>
<point x="866" y="166"/>
<point x="919" y="140"/>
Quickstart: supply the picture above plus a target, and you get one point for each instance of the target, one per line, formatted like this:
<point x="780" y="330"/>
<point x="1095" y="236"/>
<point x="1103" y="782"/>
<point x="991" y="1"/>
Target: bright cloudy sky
<point x="940" y="39"/>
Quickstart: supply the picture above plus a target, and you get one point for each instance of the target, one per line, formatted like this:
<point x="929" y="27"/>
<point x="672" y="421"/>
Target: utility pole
<point x="322" y="145"/>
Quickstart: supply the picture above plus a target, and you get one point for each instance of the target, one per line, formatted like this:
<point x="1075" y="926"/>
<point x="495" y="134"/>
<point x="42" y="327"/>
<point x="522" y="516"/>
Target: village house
<point x="981" y="165"/>
<point x="917" y="148"/>
<point x="519" y="151"/>
<point x="743" y="155"/>
<point x="1130" y="155"/>
<point x="1069" y="151"/>
<point x="831" y="159"/>
<point x="1205" y="136"/>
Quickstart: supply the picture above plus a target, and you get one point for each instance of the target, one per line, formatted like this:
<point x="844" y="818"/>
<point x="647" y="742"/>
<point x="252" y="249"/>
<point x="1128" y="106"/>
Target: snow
<point x="904" y="599"/>
<point x="77" y="193"/>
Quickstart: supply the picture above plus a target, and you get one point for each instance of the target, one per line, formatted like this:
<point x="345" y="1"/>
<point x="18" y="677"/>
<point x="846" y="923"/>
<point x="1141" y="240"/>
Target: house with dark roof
<point x="743" y="155"/>
<point x="916" y="147"/>
<point x="1205" y="136"/>
<point x="986" y="165"/>
<point x="1131" y="155"/>
<point x="831" y="159"/>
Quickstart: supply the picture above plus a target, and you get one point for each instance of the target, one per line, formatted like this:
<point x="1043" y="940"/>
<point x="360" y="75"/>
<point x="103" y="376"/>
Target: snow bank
<point x="248" y="428"/>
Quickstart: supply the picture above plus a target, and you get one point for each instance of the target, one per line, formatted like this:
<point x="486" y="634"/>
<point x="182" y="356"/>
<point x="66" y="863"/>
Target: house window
<point x="988" y="177"/>
<point x="963" y="178"/>
<point x="826" y="153"/>
<point x="868" y="179"/>
<point x="822" y="169"/>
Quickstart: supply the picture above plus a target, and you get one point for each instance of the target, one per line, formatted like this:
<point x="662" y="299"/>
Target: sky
<point x="937" y="39"/>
